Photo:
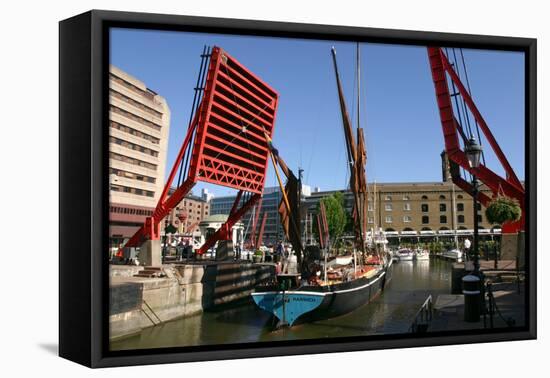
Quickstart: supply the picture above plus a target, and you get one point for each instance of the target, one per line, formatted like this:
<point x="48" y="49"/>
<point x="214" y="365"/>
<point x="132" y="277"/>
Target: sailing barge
<point x="315" y="302"/>
<point x="343" y="288"/>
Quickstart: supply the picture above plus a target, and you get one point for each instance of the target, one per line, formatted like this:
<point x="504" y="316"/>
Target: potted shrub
<point x="503" y="210"/>
<point x="258" y="255"/>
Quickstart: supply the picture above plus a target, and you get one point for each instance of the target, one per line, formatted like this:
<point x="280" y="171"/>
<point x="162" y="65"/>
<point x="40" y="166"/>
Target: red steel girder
<point x="224" y="232"/>
<point x="230" y="147"/>
<point x="511" y="185"/>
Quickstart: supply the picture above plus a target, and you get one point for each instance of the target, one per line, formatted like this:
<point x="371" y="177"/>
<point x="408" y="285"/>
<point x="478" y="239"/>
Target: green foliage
<point x="502" y="210"/>
<point x="336" y="214"/>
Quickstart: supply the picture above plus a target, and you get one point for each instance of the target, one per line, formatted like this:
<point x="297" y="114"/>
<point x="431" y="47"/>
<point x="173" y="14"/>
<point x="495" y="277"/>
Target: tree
<point x="336" y="214"/>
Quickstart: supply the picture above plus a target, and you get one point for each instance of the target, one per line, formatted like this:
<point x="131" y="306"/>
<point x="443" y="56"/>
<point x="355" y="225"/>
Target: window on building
<point x="424" y="197"/>
<point x="370" y="207"/>
<point x="460" y="218"/>
<point x="443" y="219"/>
<point x="371" y="220"/>
<point x="407" y="219"/>
<point x="425" y="207"/>
<point x="459" y="207"/>
<point x="407" y="206"/>
<point x="478" y="206"/>
<point x="388" y="207"/>
<point x="406" y="198"/>
<point x="459" y="196"/>
<point x="442" y="197"/>
<point x="387" y="198"/>
<point x="479" y="218"/>
<point x="425" y="219"/>
<point x="389" y="219"/>
<point x="442" y="207"/>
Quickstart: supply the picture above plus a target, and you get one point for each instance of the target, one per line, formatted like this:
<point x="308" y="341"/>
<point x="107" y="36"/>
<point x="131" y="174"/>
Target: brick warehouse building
<point x="426" y="208"/>
<point x="412" y="210"/>
<point x="187" y="215"/>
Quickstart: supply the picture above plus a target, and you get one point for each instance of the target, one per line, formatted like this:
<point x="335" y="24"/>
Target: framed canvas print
<point x="234" y="188"/>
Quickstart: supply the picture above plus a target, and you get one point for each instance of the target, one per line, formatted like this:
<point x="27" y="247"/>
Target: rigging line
<point x="463" y="102"/>
<point x="457" y="107"/>
<point x="470" y="93"/>
<point x="198" y="107"/>
<point x="193" y="109"/>
<point x="454" y="94"/>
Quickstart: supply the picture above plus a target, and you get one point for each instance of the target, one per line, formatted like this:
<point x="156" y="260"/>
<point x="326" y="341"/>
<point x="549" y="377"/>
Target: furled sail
<point x="357" y="159"/>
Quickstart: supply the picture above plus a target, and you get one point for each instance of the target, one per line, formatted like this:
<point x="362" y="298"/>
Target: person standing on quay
<point x="467" y="248"/>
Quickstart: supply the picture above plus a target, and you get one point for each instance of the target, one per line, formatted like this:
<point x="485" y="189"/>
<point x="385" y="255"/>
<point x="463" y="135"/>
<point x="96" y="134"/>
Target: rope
<point x="470" y="93"/>
<point x="199" y="87"/>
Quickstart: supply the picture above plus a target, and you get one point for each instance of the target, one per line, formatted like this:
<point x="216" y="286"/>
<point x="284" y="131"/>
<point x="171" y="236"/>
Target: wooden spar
<point x="276" y="159"/>
<point x="351" y="148"/>
<point x="261" y="232"/>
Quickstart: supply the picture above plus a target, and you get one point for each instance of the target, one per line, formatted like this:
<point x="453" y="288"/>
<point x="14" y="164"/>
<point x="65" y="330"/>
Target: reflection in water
<point x="392" y="312"/>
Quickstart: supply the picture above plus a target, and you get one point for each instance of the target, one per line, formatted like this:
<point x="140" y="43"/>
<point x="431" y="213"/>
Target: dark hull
<point x="323" y="302"/>
<point x="347" y="297"/>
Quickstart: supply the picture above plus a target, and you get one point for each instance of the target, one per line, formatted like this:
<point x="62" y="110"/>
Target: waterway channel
<point x="390" y="313"/>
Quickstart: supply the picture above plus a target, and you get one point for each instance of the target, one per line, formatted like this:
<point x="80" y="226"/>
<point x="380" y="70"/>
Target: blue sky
<point x="398" y="107"/>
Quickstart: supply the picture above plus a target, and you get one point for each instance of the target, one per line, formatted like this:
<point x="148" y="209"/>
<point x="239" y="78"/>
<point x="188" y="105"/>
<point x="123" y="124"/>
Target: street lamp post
<point x="473" y="283"/>
<point x="473" y="153"/>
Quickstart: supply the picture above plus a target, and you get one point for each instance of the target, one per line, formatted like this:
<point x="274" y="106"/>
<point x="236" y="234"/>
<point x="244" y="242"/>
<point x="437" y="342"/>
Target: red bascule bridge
<point x="231" y="123"/>
<point x="233" y="112"/>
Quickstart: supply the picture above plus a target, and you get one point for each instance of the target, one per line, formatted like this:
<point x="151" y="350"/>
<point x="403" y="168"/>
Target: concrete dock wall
<point x="189" y="289"/>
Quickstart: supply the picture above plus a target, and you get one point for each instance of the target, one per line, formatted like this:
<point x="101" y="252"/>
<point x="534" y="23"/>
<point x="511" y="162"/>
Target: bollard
<point x="472" y="298"/>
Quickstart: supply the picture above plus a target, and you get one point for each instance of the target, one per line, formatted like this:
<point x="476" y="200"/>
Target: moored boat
<point x="421" y="255"/>
<point x="315" y="302"/>
<point x="336" y="286"/>
<point x="405" y="254"/>
<point x="453" y="254"/>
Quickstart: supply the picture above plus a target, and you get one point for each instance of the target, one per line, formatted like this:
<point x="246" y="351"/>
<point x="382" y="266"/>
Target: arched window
<point x="387" y="198"/>
<point x="459" y="196"/>
<point x="408" y="229"/>
<point x="442" y="197"/>
<point x="424" y="197"/>
<point x="426" y="229"/>
<point x="443" y="228"/>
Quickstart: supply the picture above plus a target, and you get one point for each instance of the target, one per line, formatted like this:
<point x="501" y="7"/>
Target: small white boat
<point x="453" y="254"/>
<point x="421" y="255"/>
<point x="405" y="255"/>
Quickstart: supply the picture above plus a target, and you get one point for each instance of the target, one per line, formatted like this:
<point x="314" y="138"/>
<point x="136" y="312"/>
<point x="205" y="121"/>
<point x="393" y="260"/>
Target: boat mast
<point x="352" y="153"/>
<point x="358" y="87"/>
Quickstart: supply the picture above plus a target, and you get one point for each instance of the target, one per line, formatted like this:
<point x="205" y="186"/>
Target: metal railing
<point x="423" y="317"/>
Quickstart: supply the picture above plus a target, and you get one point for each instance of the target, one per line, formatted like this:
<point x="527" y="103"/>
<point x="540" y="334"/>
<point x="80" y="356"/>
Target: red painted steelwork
<point x="224" y="232"/>
<point x="229" y="147"/>
<point x="511" y="185"/>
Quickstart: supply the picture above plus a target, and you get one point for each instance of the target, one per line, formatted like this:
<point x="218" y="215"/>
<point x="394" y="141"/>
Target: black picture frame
<point x="83" y="196"/>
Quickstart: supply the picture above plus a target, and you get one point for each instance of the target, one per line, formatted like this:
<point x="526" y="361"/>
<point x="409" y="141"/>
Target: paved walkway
<point x="449" y="310"/>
